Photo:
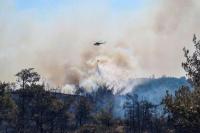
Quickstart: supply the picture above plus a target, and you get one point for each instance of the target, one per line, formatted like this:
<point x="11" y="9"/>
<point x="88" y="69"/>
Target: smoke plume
<point x="139" y="42"/>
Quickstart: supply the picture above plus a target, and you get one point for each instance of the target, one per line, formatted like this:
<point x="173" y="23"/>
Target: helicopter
<point x="99" y="43"/>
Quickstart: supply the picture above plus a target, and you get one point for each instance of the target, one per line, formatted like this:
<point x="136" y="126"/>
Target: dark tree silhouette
<point x="192" y="64"/>
<point x="26" y="78"/>
<point x="184" y="107"/>
<point x="7" y="109"/>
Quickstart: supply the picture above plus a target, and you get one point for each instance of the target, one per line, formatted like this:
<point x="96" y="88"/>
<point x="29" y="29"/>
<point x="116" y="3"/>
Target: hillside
<point x="154" y="90"/>
<point x="150" y="89"/>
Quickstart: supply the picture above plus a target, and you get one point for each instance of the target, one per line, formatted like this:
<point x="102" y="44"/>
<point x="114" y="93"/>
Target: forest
<point x="34" y="108"/>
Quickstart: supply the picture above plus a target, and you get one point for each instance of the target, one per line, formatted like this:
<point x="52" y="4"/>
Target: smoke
<point x="58" y="44"/>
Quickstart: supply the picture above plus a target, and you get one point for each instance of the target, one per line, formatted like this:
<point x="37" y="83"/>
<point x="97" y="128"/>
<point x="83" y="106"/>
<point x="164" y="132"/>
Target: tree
<point x="105" y="117"/>
<point x="102" y="97"/>
<point x="39" y="110"/>
<point x="26" y="79"/>
<point x="39" y="103"/>
<point x="130" y="110"/>
<point x="7" y="109"/>
<point x="62" y="118"/>
<point x="192" y="64"/>
<point x="82" y="112"/>
<point x="56" y="114"/>
<point x="184" y="108"/>
<point x="139" y="114"/>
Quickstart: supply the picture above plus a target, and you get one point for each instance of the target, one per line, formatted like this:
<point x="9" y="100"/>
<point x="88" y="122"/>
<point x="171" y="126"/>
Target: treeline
<point x="28" y="106"/>
<point x="31" y="108"/>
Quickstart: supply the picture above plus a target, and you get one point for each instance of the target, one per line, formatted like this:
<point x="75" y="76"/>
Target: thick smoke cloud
<point x="140" y="42"/>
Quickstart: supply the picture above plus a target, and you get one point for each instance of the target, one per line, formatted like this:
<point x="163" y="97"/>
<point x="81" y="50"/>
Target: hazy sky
<point x="144" y="37"/>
